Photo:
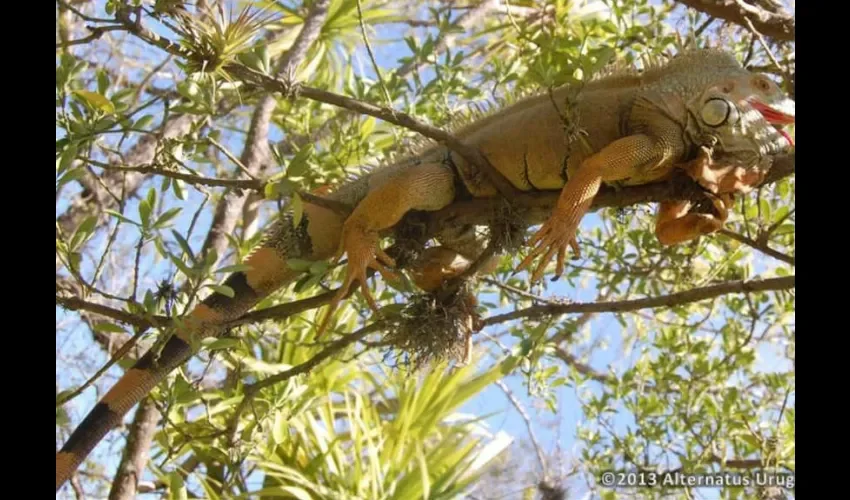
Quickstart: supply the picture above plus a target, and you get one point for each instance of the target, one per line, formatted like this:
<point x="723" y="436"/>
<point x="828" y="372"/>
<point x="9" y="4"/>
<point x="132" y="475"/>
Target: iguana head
<point x="740" y="138"/>
<point x="743" y="117"/>
<point x="756" y="92"/>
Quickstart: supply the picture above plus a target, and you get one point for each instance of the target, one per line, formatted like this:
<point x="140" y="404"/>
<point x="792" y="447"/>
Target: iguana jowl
<point x="638" y="127"/>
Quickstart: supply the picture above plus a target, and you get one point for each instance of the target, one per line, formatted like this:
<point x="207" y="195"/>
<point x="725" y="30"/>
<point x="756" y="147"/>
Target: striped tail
<point x="267" y="272"/>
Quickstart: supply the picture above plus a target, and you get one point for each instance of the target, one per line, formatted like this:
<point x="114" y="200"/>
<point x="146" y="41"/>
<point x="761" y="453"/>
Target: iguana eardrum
<point x="637" y="127"/>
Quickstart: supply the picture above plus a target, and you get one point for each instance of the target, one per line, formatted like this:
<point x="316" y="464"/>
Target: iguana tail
<point x="316" y="237"/>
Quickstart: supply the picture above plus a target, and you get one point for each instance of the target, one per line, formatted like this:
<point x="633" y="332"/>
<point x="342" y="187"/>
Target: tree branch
<point x="535" y="207"/>
<point x="135" y="457"/>
<point x="674" y="299"/>
<point x="780" y="25"/>
<point x="762" y="247"/>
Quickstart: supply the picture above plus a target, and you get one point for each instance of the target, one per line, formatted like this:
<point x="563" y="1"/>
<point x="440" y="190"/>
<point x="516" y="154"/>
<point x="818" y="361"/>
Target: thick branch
<point x="536" y="207"/>
<point x="674" y="299"/>
<point x="779" y="25"/>
<point x="135" y="457"/>
<point x="76" y="303"/>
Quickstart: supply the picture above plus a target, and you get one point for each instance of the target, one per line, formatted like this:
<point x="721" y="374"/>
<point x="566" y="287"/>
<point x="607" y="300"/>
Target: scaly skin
<point x="638" y="129"/>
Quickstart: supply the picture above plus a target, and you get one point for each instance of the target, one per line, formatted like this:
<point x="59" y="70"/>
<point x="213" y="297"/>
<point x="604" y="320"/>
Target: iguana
<point x="635" y="127"/>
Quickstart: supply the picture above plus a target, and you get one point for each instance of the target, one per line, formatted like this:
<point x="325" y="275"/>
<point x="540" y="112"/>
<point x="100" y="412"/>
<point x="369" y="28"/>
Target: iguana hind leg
<point x="430" y="186"/>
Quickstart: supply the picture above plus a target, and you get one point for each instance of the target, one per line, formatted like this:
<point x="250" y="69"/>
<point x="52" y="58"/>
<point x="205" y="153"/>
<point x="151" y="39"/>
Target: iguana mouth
<point x="775" y="117"/>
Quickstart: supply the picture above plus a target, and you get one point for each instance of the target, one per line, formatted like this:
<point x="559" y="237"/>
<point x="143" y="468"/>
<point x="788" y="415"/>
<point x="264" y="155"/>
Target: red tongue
<point x="786" y="136"/>
<point x="770" y="114"/>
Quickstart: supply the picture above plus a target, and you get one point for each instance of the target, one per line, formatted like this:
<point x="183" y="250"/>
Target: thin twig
<point x="189" y="178"/>
<point x="582" y="368"/>
<point x="95" y="34"/>
<point x="517" y="291"/>
<point x="230" y="156"/>
<point x="531" y="434"/>
<point x="84" y="17"/>
<point x="765" y="46"/>
<point x="375" y="65"/>
<point x="762" y="247"/>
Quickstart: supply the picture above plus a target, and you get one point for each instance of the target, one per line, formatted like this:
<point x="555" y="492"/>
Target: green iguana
<point x="637" y="127"/>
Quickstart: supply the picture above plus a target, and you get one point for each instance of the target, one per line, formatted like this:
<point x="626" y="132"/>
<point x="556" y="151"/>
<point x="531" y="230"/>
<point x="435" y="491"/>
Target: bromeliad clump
<point x="431" y="328"/>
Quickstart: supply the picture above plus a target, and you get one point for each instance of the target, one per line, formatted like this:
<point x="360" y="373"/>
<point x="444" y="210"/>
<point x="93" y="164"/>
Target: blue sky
<point x="492" y="400"/>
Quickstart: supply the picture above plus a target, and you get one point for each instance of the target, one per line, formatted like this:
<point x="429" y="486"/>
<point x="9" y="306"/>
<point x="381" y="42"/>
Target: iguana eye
<point x="716" y="112"/>
<point x="761" y="84"/>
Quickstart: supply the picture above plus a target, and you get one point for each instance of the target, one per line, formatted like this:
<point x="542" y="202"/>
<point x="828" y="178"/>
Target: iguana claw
<point x="558" y="232"/>
<point x="363" y="252"/>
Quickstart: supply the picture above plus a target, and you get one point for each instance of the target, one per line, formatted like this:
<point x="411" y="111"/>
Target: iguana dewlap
<point x="638" y="128"/>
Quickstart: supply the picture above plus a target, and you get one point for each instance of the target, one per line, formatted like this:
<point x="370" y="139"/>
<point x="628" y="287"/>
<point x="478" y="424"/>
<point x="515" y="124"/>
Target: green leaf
<point x="145" y="212"/>
<point x="96" y="100"/>
<point x="224" y="290"/>
<point x="67" y="158"/>
<point x="179" y="189"/>
<point x="108" y="328"/>
<point x="166" y="217"/>
<point x="299" y="264"/>
<point x="423" y="470"/>
<point x="69" y="176"/>
<point x="120" y="217"/>
<point x="102" y="81"/>
<point x="176" y="487"/>
<point x="297" y="209"/>
<point x="298" y="165"/>
<point x="214" y="344"/>
<point x="279" y="428"/>
<point x="83" y="231"/>
<point x="236" y="268"/>
<point x="143" y="122"/>
<point x="184" y="245"/>
<point x="279" y="188"/>
<point x="188" y="89"/>
<point x="282" y="491"/>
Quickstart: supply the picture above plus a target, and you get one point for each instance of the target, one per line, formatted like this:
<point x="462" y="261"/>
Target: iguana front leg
<point x="428" y="186"/>
<point x="619" y="160"/>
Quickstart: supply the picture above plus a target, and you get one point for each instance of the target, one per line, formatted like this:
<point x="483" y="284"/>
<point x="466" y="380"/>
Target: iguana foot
<point x="558" y="232"/>
<point x="676" y="223"/>
<point x="364" y="252"/>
